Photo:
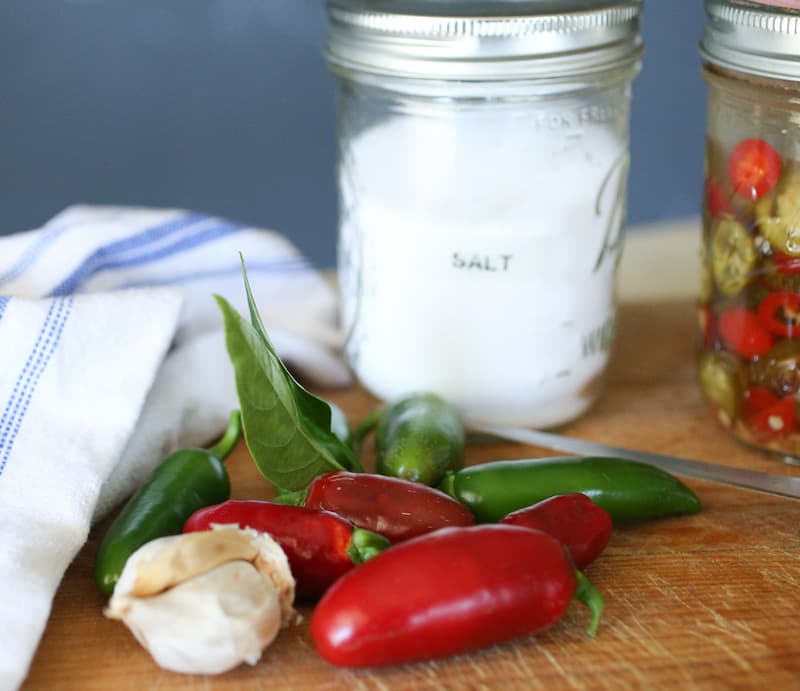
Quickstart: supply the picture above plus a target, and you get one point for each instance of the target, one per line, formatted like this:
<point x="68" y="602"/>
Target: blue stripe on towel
<point x="25" y="369"/>
<point x="17" y="405"/>
<point x="277" y="267"/>
<point x="182" y="245"/>
<point x="101" y="256"/>
<point x="4" y="300"/>
<point x="30" y="255"/>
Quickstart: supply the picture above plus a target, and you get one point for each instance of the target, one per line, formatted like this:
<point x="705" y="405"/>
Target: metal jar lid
<point x="483" y="39"/>
<point x="758" y="38"/>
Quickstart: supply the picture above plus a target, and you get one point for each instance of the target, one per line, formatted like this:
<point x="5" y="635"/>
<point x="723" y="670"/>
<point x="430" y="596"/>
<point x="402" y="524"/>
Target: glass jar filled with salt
<point x="483" y="158"/>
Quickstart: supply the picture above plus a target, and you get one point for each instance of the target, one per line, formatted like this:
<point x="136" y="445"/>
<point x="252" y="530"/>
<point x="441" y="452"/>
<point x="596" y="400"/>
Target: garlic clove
<point x="202" y="603"/>
<point x="210" y="623"/>
<point x="163" y="564"/>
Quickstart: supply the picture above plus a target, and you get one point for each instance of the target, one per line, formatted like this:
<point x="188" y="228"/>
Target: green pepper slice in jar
<point x="775" y="277"/>
<point x="779" y="369"/>
<point x="778" y="215"/>
<point x="733" y="256"/>
<point x="721" y="381"/>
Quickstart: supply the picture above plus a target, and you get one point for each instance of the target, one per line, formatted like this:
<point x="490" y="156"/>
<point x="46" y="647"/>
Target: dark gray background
<point x="226" y="106"/>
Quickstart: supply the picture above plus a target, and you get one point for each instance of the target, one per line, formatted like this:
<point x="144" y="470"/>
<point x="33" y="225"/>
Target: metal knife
<point x="737" y="477"/>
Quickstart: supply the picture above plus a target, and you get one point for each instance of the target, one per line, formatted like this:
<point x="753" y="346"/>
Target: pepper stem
<point x="591" y="597"/>
<point x="363" y="429"/>
<point x="364" y="544"/>
<point x="448" y="484"/>
<point x="291" y="498"/>
<point x="227" y="442"/>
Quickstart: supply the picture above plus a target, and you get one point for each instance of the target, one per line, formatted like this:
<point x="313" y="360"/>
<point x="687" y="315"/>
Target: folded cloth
<point x="113" y="356"/>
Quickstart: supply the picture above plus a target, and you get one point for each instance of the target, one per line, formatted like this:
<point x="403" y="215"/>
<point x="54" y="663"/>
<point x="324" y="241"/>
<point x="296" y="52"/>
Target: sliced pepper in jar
<point x="743" y="332"/>
<point x="780" y="313"/>
<point x="786" y="264"/>
<point x="721" y="381"/>
<point x="717" y="202"/>
<point x="779" y="369"/>
<point x="774" y="420"/>
<point x="756" y="399"/>
<point x="733" y="256"/>
<point x="778" y="215"/>
<point x="753" y="168"/>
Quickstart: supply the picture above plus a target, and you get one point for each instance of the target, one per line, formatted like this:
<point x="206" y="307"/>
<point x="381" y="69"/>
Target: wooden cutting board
<point x="707" y="601"/>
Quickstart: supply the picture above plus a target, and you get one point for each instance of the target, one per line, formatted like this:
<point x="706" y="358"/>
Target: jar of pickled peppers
<point x="749" y="308"/>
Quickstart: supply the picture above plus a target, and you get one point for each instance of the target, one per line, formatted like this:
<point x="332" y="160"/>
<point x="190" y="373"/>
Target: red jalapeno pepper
<point x="576" y="521"/>
<point x="449" y="592"/>
<point x="319" y="545"/>
<point x="780" y="313"/>
<point x="744" y="332"/>
<point x="395" y="508"/>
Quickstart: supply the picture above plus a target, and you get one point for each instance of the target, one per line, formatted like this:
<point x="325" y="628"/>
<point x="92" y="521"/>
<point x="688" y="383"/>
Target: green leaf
<point x="328" y="418"/>
<point x="339" y="424"/>
<point x="315" y="408"/>
<point x="286" y="428"/>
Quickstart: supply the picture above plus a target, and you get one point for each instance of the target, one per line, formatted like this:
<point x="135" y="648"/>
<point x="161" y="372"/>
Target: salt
<point x="477" y="260"/>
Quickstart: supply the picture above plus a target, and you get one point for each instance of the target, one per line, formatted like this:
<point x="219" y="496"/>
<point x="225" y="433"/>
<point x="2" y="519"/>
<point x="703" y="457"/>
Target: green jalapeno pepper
<point x="185" y="481"/>
<point x="417" y="438"/>
<point x="628" y="490"/>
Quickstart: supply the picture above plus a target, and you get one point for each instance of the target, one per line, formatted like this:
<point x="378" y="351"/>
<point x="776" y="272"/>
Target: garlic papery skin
<point x="226" y="595"/>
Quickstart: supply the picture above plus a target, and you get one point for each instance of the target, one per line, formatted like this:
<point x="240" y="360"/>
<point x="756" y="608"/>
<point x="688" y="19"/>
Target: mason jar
<point x="482" y="173"/>
<point x="749" y="306"/>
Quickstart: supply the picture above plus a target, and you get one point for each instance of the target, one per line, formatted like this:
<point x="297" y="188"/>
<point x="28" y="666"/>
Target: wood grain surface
<point x="707" y="601"/>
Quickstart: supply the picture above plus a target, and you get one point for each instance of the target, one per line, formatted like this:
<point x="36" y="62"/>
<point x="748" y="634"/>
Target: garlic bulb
<point x="202" y="603"/>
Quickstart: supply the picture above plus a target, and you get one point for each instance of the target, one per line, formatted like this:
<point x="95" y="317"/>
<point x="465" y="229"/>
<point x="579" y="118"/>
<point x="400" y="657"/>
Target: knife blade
<point x="742" y="478"/>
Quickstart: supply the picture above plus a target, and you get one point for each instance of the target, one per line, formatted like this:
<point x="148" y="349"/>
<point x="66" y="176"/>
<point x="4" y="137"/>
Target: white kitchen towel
<point x="113" y="356"/>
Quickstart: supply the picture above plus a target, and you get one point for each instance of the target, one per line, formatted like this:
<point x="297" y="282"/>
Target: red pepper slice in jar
<point x="753" y="168"/>
<point x="743" y="331"/>
<point x="780" y="313"/>
<point x="785" y="263"/>
<point x="776" y="420"/>
<point x="756" y="399"/>
<point x="717" y="201"/>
